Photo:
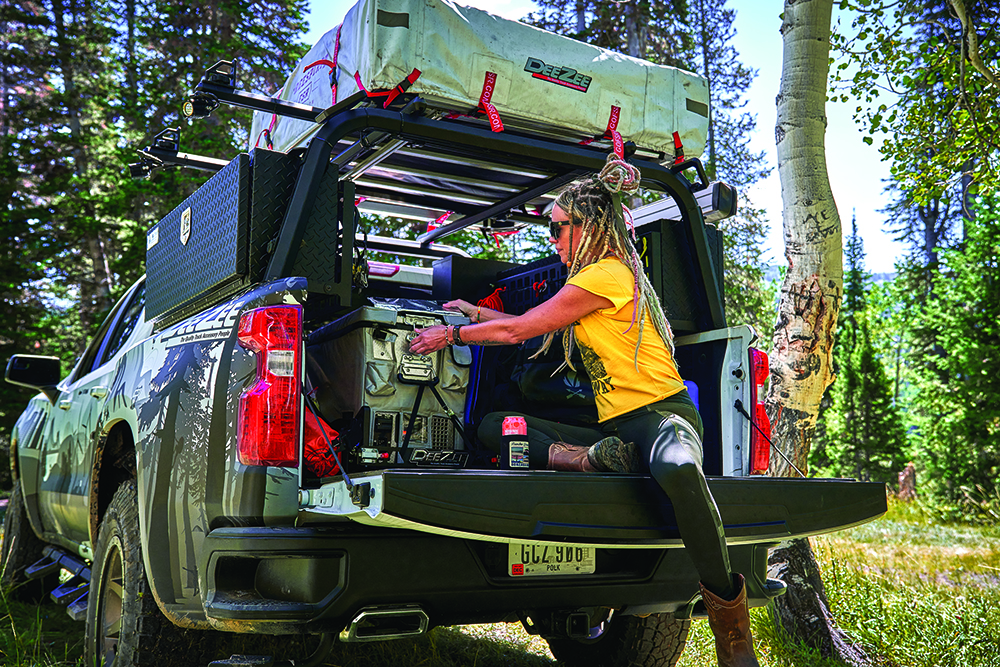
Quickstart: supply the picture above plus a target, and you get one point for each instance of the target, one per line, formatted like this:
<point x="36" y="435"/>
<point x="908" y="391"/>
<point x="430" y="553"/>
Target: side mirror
<point x="35" y="372"/>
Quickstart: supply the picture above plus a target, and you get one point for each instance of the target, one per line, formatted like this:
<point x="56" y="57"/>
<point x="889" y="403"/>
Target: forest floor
<point x="910" y="592"/>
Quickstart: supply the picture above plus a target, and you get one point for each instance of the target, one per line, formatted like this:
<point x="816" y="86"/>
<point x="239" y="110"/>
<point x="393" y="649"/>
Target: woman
<point x="646" y="417"/>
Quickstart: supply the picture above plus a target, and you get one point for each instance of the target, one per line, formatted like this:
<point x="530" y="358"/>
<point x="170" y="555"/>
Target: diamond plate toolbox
<point x="217" y="240"/>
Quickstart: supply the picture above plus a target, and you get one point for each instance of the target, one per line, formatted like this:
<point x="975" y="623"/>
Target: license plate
<point x="525" y="560"/>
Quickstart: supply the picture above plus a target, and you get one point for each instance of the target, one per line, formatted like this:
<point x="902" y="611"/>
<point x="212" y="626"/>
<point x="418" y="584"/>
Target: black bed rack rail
<point x="405" y="162"/>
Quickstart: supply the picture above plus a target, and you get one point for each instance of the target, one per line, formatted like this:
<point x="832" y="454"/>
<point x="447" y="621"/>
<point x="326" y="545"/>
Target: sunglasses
<point x="554" y="227"/>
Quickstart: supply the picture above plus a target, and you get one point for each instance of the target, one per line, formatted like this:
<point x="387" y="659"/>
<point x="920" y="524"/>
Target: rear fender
<point x="186" y="463"/>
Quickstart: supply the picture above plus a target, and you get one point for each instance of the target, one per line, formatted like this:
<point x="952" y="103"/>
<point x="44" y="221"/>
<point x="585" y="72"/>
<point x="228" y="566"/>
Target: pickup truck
<point x="174" y="478"/>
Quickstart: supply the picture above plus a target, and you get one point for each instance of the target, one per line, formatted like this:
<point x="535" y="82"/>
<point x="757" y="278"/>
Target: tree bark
<point x="804" y="611"/>
<point x="802" y="348"/>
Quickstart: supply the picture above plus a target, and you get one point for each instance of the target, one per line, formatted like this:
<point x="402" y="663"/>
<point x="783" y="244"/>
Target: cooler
<point x="379" y="386"/>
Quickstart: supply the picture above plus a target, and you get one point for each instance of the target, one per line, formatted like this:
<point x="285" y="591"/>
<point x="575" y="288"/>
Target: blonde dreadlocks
<point x="594" y="206"/>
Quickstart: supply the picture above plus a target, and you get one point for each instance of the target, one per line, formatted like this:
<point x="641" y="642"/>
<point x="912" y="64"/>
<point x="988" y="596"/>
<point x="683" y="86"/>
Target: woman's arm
<point x="476" y="314"/>
<point x="567" y="306"/>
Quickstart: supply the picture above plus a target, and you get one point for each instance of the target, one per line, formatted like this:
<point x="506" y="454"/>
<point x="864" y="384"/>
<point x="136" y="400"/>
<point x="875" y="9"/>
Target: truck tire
<point x="20" y="549"/>
<point x="629" y="641"/>
<point x="124" y="625"/>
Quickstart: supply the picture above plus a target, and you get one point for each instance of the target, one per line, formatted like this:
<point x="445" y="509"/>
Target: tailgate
<point x="590" y="509"/>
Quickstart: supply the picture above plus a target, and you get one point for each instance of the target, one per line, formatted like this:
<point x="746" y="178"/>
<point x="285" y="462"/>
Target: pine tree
<point x="107" y="75"/>
<point x="959" y="375"/>
<point x="654" y="31"/>
<point x="861" y="433"/>
<point x="749" y="300"/>
<point x="695" y="35"/>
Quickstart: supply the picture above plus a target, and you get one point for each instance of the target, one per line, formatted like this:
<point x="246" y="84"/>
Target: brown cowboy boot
<point x="730" y="623"/>
<point x="569" y="458"/>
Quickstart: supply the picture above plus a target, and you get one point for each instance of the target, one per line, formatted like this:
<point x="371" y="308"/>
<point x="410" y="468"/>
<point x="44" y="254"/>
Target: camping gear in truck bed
<point x="511" y="75"/>
<point x="362" y="370"/>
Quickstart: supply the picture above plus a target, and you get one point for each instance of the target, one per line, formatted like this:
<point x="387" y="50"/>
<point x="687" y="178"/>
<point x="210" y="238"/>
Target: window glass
<point x="92" y="352"/>
<point x="126" y="323"/>
<point x="96" y="352"/>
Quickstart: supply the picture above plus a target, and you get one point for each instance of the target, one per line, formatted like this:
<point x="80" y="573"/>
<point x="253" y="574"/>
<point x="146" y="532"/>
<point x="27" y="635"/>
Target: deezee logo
<point x="563" y="76"/>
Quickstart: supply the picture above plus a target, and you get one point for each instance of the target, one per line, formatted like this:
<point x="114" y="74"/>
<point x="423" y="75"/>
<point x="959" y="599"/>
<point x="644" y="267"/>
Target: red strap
<point x="361" y="86"/>
<point x="266" y="133"/>
<point x="678" y="148"/>
<point x="431" y="226"/>
<point x="613" y="132"/>
<point x="484" y="104"/>
<point x="401" y="87"/>
<point x="332" y="64"/>
<point x="390" y="95"/>
<point x="322" y="61"/>
<point x="497" y="235"/>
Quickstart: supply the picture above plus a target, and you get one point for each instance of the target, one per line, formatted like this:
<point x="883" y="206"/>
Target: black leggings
<point x="671" y="445"/>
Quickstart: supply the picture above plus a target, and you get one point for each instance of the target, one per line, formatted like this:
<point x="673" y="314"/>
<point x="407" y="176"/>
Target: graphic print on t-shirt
<point x="600" y="380"/>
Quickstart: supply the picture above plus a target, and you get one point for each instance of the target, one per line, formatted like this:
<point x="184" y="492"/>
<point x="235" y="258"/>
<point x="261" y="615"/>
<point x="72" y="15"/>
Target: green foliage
<point x="914" y="592"/>
<point x="957" y="362"/>
<point x="749" y="297"/>
<point x="695" y="35"/>
<point x="861" y="434"/>
<point x="928" y="80"/>
<point x="655" y="31"/>
<point x="84" y="85"/>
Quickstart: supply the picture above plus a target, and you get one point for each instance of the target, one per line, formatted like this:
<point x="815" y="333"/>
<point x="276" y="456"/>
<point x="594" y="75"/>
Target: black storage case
<point x="216" y="242"/>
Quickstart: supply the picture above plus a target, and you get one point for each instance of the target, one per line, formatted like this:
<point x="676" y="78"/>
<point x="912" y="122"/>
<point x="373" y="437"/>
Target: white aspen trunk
<point x="802" y="347"/>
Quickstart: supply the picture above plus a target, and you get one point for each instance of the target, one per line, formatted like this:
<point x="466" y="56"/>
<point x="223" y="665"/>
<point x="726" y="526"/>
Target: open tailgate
<point x="593" y="509"/>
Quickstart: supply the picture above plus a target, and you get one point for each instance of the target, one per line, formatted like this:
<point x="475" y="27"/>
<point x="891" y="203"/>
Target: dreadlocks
<point x="595" y="210"/>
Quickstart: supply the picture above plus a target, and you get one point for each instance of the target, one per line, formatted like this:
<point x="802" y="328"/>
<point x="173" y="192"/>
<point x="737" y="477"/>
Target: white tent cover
<point x="543" y="83"/>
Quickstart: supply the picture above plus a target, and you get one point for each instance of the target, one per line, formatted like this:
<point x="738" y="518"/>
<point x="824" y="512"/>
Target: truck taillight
<point x="268" y="424"/>
<point x="760" y="446"/>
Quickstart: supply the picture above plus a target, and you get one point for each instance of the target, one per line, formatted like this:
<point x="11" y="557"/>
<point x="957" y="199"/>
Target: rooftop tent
<point x="470" y="65"/>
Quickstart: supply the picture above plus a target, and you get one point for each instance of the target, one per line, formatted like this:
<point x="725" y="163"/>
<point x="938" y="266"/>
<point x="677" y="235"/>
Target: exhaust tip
<point x="375" y="624"/>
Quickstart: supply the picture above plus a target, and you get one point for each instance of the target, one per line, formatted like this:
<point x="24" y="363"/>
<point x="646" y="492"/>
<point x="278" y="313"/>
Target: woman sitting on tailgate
<point x="609" y="309"/>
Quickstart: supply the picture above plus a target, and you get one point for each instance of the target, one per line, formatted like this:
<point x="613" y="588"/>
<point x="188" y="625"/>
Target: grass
<point x="38" y="635"/>
<point x="908" y="590"/>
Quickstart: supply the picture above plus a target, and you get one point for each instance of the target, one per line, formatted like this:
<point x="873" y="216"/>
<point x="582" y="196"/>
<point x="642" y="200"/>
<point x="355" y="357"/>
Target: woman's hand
<point x="461" y="306"/>
<point x="429" y="340"/>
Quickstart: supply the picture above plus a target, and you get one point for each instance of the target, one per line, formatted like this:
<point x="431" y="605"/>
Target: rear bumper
<point x="315" y="579"/>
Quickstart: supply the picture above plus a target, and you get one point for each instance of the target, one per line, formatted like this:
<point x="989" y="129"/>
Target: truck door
<point x="67" y="456"/>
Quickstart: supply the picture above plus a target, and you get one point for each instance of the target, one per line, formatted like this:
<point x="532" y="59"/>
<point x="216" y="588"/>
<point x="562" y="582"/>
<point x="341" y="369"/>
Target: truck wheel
<point x="20" y="549"/>
<point x="124" y="625"/>
<point x="627" y="641"/>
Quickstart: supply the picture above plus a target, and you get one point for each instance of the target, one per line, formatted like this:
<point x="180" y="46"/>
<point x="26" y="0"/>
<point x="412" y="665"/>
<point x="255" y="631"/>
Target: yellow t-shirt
<point x="607" y="345"/>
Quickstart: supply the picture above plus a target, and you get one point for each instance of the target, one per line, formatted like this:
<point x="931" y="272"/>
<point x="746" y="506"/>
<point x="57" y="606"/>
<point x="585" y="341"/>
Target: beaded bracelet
<point x="479" y="314"/>
<point x="448" y="335"/>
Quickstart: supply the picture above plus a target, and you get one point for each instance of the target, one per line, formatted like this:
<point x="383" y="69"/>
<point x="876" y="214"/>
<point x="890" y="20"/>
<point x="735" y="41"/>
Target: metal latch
<point x="361" y="494"/>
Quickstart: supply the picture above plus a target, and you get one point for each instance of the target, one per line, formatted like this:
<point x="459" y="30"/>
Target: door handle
<point x="65" y="404"/>
<point x="98" y="392"/>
